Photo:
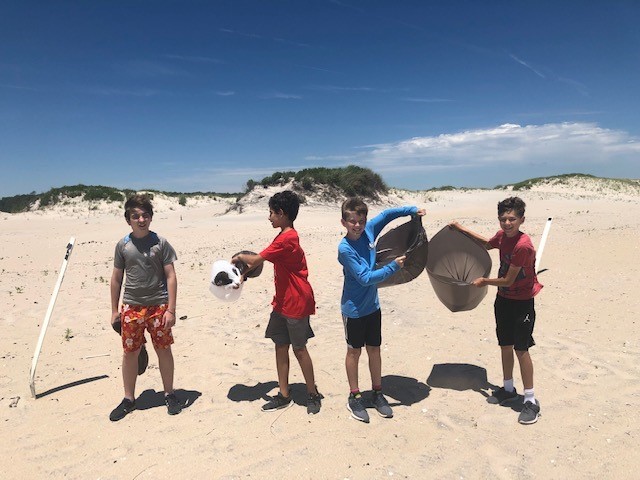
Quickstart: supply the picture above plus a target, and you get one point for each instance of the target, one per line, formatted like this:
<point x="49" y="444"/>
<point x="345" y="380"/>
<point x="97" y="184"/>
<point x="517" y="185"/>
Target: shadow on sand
<point x="70" y="385"/>
<point x="152" y="399"/>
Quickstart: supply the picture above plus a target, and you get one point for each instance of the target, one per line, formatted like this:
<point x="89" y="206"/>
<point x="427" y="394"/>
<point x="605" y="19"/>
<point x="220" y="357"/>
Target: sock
<point x="376" y="388"/>
<point x="529" y="396"/>
<point x="508" y="385"/>
<point x="355" y="392"/>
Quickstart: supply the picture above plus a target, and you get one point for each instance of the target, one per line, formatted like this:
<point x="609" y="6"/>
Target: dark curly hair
<point x="287" y="202"/>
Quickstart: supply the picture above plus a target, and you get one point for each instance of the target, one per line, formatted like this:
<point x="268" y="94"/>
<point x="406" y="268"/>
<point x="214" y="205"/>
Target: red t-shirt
<point x="517" y="251"/>
<point x="294" y="295"/>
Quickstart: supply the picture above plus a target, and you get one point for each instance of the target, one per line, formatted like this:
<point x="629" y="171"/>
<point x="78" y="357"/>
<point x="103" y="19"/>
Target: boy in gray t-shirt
<point x="148" y="303"/>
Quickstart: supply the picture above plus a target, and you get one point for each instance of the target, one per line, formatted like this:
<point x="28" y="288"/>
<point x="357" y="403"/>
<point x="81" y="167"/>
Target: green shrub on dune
<point x="350" y="181"/>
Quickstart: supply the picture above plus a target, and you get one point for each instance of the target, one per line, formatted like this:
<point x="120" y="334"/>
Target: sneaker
<point x="121" y="411"/>
<point x="277" y="403"/>
<point x="529" y="413"/>
<point x="381" y="404"/>
<point x="143" y="360"/>
<point x="174" y="406"/>
<point x="356" y="407"/>
<point x="503" y="396"/>
<point x="314" y="403"/>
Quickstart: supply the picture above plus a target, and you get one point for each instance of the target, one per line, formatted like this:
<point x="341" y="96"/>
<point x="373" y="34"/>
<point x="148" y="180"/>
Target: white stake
<point x="543" y="240"/>
<point x="47" y="317"/>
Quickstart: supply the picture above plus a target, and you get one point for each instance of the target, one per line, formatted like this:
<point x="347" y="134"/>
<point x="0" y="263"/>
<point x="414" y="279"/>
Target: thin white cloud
<point x="509" y="145"/>
<point x="281" y="96"/>
<point x="226" y="93"/>
<point x="525" y="64"/>
<point x="120" y="92"/>
<point x="255" y="36"/>
<point x="193" y="59"/>
<point x="425" y="100"/>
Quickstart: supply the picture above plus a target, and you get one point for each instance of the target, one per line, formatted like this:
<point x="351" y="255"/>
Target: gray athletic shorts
<point x="284" y="330"/>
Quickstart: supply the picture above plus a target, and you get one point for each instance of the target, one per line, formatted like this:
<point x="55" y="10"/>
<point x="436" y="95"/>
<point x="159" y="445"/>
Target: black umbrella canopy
<point x="408" y="239"/>
<point x="455" y="260"/>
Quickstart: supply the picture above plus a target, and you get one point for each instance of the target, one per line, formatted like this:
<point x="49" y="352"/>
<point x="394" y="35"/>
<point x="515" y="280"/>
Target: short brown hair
<point x="516" y="204"/>
<point x="354" y="205"/>
<point x="140" y="201"/>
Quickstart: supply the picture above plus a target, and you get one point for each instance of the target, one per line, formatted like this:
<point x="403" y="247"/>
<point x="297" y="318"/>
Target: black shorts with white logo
<point x="515" y="320"/>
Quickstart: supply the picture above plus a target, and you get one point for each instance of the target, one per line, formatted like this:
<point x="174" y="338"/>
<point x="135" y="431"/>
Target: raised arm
<point x="475" y="236"/>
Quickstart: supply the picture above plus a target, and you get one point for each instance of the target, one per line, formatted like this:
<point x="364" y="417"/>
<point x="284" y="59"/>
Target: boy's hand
<point x="115" y="316"/>
<point x="421" y="212"/>
<point x="480" y="282"/>
<point x="400" y="260"/>
<point x="455" y="225"/>
<point x="169" y="319"/>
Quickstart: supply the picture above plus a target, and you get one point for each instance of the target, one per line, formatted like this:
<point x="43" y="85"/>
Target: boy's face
<point x="277" y="219"/>
<point x="510" y="223"/>
<point x="139" y="220"/>
<point x="354" y="224"/>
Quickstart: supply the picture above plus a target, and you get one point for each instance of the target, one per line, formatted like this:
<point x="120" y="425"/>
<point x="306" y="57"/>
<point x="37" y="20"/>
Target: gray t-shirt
<point x="143" y="261"/>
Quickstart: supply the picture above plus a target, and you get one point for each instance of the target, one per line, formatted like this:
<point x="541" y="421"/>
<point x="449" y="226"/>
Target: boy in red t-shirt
<point x="293" y="301"/>
<point x="514" y="306"/>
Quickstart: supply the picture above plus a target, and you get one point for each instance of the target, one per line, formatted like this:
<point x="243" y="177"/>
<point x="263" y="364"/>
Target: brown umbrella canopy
<point x="455" y="260"/>
<point x="408" y="239"/>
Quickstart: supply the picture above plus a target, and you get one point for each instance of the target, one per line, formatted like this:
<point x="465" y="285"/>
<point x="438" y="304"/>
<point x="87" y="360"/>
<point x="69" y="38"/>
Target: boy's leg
<point x="130" y="373"/>
<point x="282" y="366"/>
<point x="166" y="365"/>
<point x="351" y="364"/>
<point x="375" y="365"/>
<point x="306" y="365"/>
<point x="506" y="352"/>
<point x="526" y="368"/>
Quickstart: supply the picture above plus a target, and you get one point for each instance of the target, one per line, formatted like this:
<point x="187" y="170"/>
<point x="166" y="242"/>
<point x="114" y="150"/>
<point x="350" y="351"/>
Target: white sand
<point x="434" y="361"/>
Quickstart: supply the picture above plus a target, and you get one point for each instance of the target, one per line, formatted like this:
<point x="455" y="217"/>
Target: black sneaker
<point x="530" y="413"/>
<point x="314" y="403"/>
<point x="503" y="396"/>
<point x="356" y="407"/>
<point x="277" y="403"/>
<point x="121" y="411"/>
<point x="381" y="404"/>
<point x="174" y="406"/>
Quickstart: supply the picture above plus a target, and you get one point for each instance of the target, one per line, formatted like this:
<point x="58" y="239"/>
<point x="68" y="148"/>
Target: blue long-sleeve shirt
<point x="358" y="259"/>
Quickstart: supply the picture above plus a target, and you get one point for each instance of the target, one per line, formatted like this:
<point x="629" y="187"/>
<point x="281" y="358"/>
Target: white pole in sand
<point x="543" y="240"/>
<point x="47" y="317"/>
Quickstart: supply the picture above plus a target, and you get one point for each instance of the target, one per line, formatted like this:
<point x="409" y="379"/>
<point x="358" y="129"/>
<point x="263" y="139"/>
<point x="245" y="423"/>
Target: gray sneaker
<point x="503" y="396"/>
<point x="529" y="413"/>
<point x="277" y="403"/>
<point x="356" y="407"/>
<point x="381" y="404"/>
<point x="314" y="402"/>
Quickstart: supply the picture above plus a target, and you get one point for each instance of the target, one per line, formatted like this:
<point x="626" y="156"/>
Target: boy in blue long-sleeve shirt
<point x="360" y="305"/>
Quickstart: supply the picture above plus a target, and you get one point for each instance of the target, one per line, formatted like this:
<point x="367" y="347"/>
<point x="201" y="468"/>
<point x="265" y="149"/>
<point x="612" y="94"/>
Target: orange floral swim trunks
<point x="136" y="318"/>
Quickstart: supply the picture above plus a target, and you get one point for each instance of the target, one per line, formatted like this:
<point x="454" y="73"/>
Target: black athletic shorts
<point x="515" y="320"/>
<point x="362" y="331"/>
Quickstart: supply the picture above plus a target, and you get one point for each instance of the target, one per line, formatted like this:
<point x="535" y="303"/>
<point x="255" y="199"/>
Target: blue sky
<point x="204" y="95"/>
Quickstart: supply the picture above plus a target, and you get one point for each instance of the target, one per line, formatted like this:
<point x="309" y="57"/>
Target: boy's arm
<point x="362" y="272"/>
<point x="383" y="218"/>
<point x="116" y="286"/>
<point x="169" y="317"/>
<point x="505" y="281"/>
<point x="475" y="236"/>
<point x="253" y="260"/>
